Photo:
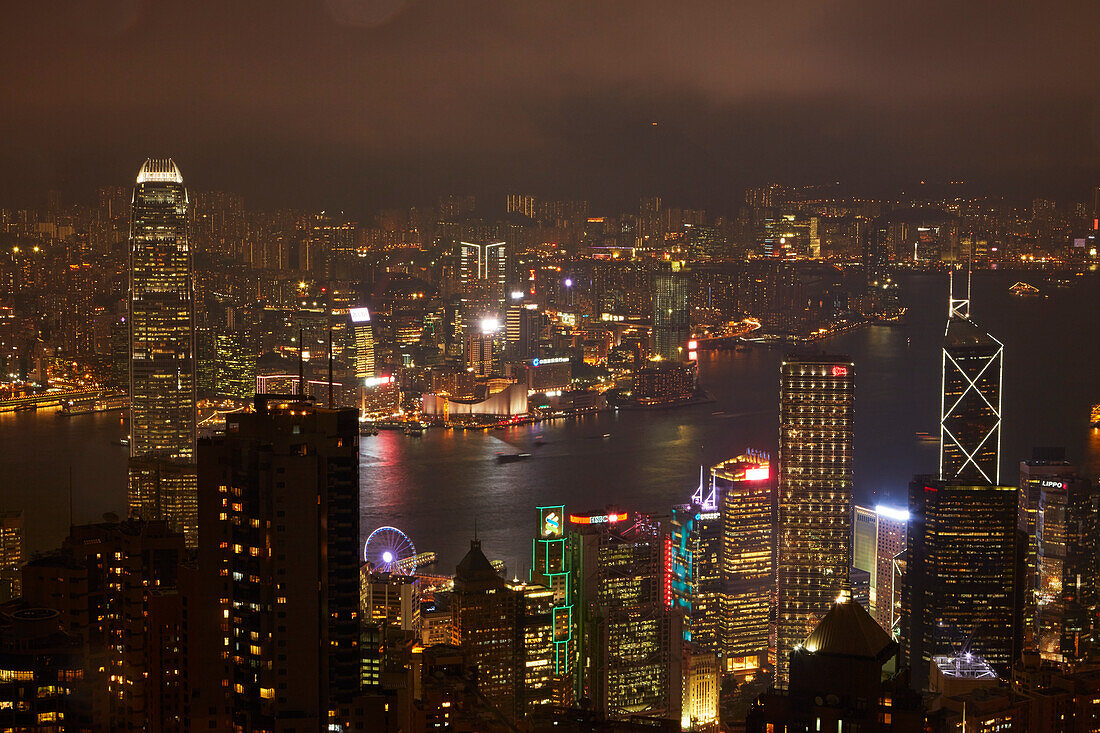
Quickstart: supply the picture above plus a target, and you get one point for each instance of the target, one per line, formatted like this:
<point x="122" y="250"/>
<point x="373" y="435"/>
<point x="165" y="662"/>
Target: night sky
<point x="360" y="104"/>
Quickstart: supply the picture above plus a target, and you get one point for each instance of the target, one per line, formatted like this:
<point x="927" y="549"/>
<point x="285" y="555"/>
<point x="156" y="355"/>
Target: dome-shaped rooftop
<point x="848" y="630"/>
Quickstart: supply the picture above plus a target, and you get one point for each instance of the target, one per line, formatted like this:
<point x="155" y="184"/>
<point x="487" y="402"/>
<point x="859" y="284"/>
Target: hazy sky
<point x="367" y="103"/>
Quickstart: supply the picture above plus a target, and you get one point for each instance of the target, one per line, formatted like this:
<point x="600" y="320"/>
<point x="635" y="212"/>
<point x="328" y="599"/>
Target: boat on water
<point x="1023" y="289"/>
<point x="927" y="438"/>
<point x="414" y="429"/>
<point x="512" y="457"/>
<point x="95" y="403"/>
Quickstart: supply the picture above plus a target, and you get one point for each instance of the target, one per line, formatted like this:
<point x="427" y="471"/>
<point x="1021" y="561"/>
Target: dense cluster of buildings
<point x="235" y="597"/>
<point x="440" y="300"/>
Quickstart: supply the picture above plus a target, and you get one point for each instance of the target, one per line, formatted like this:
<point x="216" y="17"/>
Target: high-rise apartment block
<point x="112" y="585"/>
<point x="816" y="410"/>
<point x="11" y="555"/>
<point x="278" y="617"/>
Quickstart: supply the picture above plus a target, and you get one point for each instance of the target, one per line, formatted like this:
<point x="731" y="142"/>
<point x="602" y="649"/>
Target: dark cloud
<point x="360" y="103"/>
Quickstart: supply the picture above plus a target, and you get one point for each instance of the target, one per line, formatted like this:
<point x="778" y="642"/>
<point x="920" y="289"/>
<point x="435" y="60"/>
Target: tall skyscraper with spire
<point x="162" y="351"/>
<point x="970" y="403"/>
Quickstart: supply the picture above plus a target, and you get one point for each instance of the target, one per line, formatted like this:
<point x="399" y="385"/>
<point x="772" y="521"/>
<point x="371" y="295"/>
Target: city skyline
<point x="516" y="368"/>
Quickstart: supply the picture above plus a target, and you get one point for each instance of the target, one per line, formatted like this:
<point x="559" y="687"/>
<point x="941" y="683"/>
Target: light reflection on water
<point x="434" y="487"/>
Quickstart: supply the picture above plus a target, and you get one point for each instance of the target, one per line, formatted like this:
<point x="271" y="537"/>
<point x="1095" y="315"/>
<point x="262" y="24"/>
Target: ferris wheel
<point x="389" y="550"/>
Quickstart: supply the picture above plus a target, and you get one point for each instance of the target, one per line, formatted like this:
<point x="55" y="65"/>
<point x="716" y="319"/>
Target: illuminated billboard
<point x="550" y="521"/>
<point x="359" y="315"/>
<point x="596" y="518"/>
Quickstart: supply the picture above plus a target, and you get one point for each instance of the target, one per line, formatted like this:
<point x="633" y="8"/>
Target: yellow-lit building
<point x="815" y="495"/>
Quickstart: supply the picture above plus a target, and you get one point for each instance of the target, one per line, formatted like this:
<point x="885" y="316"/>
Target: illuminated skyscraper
<point x="522" y="323"/>
<point x="389" y="617"/>
<point x="631" y="637"/>
<point x="161" y="316"/>
<point x="815" y="494"/>
<point x="363" y="332"/>
<point x="1066" y="543"/>
<point x="878" y="538"/>
<point x="970" y="404"/>
<point x="746" y="496"/>
<point x="963" y="562"/>
<point x="482" y="268"/>
<point x="1045" y="465"/>
<point x="864" y="538"/>
<point x="671" y="317"/>
<point x="162" y="344"/>
<point x="552" y="568"/>
<point x="235" y="367"/>
<point x="890" y="539"/>
<point x="480" y="354"/>
<point x="1058" y="521"/>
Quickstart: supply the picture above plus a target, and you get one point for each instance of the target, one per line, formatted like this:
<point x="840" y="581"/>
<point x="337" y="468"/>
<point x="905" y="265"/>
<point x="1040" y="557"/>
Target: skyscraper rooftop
<point x="159" y="170"/>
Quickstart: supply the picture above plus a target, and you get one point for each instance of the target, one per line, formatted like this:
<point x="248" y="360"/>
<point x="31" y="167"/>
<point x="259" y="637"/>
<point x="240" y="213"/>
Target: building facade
<point x="970" y="404"/>
<point x="279" y="563"/>
<point x="671" y="315"/>
<point x="162" y="340"/>
<point x="816" y="411"/>
<point x="963" y="562"/>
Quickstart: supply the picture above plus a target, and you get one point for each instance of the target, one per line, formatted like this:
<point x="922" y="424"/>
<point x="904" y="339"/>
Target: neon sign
<point x="758" y="474"/>
<point x="840" y="371"/>
<point x="552" y="360"/>
<point x="597" y="518"/>
<point x="551" y="524"/>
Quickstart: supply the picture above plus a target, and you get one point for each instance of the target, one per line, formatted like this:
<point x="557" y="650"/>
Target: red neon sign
<point x="668" y="571"/>
<point x="597" y="518"/>
<point x="840" y="371"/>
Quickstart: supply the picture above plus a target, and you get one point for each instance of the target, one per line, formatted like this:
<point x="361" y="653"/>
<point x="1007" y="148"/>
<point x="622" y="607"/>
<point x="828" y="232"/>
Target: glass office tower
<point x="162" y="351"/>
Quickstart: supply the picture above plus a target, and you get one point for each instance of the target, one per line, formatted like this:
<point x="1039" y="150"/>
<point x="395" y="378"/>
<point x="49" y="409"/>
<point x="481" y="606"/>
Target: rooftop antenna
<point x="301" y="366"/>
<point x="957" y="307"/>
<point x="330" y="369"/>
